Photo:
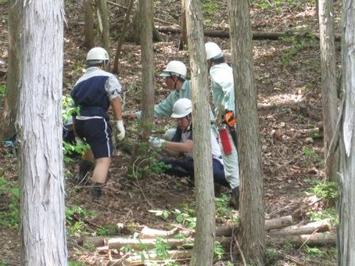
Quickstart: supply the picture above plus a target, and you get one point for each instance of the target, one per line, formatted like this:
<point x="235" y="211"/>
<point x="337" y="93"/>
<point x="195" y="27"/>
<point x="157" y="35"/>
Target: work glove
<point x="156" y="143"/>
<point x="121" y="131"/>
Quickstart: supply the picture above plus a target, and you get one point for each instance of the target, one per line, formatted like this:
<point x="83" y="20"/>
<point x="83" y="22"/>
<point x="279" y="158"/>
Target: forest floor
<point x="287" y="75"/>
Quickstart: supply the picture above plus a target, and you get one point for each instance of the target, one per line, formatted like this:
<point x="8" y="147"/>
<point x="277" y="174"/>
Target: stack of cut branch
<point x="279" y="230"/>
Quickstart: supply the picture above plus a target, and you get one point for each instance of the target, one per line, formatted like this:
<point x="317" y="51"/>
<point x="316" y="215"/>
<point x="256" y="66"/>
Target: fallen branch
<point x="316" y="239"/>
<point x="256" y="35"/>
<point x="320" y="226"/>
<point x="139" y="244"/>
<point x="147" y="233"/>
<point x="176" y="255"/>
<point x="275" y="223"/>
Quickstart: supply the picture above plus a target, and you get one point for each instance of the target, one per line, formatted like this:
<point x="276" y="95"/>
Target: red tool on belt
<point x="225" y="140"/>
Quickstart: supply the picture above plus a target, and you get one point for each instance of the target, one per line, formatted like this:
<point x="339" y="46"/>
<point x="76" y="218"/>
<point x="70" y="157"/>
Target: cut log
<point x="139" y="244"/>
<point x="154" y="233"/>
<point x="226" y="230"/>
<point x="320" y="226"/>
<point x="278" y="222"/>
<point x="96" y="241"/>
<point x="151" y="257"/>
<point x="316" y="239"/>
<point x="256" y="35"/>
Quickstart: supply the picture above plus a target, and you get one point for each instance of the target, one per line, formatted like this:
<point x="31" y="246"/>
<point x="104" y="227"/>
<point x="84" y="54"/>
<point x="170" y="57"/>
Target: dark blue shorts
<point x="97" y="133"/>
<point x="185" y="167"/>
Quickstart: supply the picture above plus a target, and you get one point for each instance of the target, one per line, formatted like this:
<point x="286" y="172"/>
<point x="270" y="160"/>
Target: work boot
<point x="234" y="201"/>
<point x="96" y="191"/>
<point x="84" y="170"/>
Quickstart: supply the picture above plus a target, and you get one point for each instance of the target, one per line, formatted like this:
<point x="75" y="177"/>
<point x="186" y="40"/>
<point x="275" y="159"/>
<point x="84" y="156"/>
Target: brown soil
<point x="288" y="85"/>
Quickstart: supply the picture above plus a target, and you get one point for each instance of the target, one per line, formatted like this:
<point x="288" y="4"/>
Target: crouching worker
<point x="181" y="145"/>
<point x="94" y="93"/>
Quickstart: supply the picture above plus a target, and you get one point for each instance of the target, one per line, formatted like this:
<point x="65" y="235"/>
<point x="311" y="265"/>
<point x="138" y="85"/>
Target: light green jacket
<point x="222" y="86"/>
<point x="165" y="107"/>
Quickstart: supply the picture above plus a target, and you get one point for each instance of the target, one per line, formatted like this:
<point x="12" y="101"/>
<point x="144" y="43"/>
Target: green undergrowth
<point x="9" y="204"/>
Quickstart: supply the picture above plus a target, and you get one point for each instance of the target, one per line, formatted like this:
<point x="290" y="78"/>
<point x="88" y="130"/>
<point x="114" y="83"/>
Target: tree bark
<point x="10" y="100"/>
<point x="329" y="85"/>
<point x="146" y="11"/>
<point x="252" y="236"/>
<point x="205" y="209"/>
<point x="346" y="239"/>
<point x="40" y="133"/>
<point x="183" y="35"/>
<point x="104" y="22"/>
<point x="89" y="24"/>
<point x="122" y="37"/>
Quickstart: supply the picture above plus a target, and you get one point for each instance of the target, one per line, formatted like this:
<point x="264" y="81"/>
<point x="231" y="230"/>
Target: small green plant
<point x="70" y="149"/>
<point x="296" y="44"/>
<point x="2" y="93"/>
<point x="311" y="155"/>
<point x="325" y="190"/>
<point x="218" y="250"/>
<point x="106" y="230"/>
<point x="10" y="198"/>
<point x="161" y="248"/>
<point x="271" y="256"/>
<point x="313" y="251"/>
<point x="75" y="219"/>
<point x="185" y="217"/>
<point x="68" y="108"/>
<point x="330" y="214"/>
<point x="75" y="263"/>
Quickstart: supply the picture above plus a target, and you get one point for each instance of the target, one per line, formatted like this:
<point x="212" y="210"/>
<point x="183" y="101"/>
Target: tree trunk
<point x="40" y="133"/>
<point x="183" y="35"/>
<point x="10" y="101"/>
<point x="329" y="84"/>
<point x="122" y="36"/>
<point x="346" y="239"/>
<point x="251" y="207"/>
<point x="135" y="29"/>
<point x="205" y="229"/>
<point x="89" y="24"/>
<point x="146" y="11"/>
<point x="104" y="22"/>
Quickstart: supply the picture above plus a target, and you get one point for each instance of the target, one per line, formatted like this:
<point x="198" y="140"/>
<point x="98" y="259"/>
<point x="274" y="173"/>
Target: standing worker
<point x="94" y="93"/>
<point x="222" y="87"/>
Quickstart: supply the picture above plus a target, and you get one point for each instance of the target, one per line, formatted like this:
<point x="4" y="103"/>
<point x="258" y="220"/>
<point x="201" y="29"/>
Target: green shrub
<point x="9" y="196"/>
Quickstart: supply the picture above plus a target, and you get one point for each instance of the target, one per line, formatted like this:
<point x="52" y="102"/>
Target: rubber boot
<point x="96" y="191"/>
<point x="84" y="168"/>
<point x="234" y="201"/>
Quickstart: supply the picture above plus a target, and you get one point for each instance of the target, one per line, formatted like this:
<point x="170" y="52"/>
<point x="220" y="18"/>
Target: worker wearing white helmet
<point x="182" y="143"/>
<point x="94" y="93"/>
<point x="222" y="88"/>
<point x="175" y="79"/>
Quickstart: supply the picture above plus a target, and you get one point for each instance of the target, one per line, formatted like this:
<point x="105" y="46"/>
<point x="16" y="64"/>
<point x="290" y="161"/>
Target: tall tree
<point x="205" y="228"/>
<point x="40" y="133"/>
<point x="346" y="239"/>
<point x="103" y="17"/>
<point x="251" y="180"/>
<point x="183" y="34"/>
<point x="10" y="100"/>
<point x="146" y="11"/>
<point x="89" y="24"/>
<point x="329" y="87"/>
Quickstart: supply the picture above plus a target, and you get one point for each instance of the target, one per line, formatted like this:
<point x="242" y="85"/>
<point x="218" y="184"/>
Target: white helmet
<point x="182" y="108"/>
<point x="97" y="55"/>
<point x="174" y="68"/>
<point x="213" y="50"/>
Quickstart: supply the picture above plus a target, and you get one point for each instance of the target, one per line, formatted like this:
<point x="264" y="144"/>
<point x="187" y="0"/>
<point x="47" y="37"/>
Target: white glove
<point x="156" y="142"/>
<point x="121" y="130"/>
